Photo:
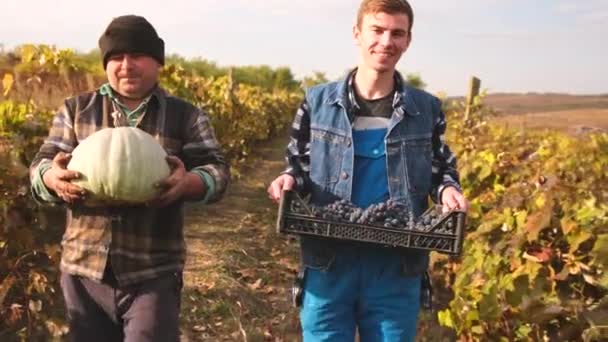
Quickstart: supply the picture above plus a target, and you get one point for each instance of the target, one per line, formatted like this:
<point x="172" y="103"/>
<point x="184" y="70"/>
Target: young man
<point x="121" y="267"/>
<point x="368" y="138"/>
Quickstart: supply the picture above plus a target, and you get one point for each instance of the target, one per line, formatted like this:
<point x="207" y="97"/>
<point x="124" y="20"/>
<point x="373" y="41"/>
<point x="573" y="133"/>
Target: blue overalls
<point x="349" y="286"/>
<point x="366" y="287"/>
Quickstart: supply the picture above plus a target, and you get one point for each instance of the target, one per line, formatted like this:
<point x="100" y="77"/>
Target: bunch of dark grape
<point x="298" y="207"/>
<point x="426" y="222"/>
<point x="340" y="211"/>
<point x="389" y="214"/>
<point x="430" y="219"/>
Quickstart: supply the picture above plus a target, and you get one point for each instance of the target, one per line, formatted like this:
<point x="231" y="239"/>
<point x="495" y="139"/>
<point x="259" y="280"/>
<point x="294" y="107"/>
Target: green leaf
<point x="445" y="318"/>
<point x="532" y="269"/>
<point x="589" y="212"/>
<point x="521" y="287"/>
<point x="485" y="172"/>
<point x="568" y="225"/>
<point x="472" y="316"/>
<point x="523" y="331"/>
<point x="520" y="218"/>
<point x="499" y="188"/>
<point x="489" y="308"/>
<point x="600" y="251"/>
<point x="575" y="239"/>
<point x="477" y="329"/>
<point x="541" y="200"/>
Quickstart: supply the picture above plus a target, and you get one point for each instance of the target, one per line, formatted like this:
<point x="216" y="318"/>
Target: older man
<point x="121" y="267"/>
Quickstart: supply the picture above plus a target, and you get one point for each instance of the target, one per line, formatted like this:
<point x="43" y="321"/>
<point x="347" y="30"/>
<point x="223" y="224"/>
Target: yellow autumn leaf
<point x="7" y="83"/>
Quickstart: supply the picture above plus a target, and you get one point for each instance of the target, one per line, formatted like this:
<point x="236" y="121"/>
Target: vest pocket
<point x="418" y="156"/>
<point x="326" y="153"/>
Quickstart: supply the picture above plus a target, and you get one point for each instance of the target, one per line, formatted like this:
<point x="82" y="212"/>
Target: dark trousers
<point x="147" y="311"/>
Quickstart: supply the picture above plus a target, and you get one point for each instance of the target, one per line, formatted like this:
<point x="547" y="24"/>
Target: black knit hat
<point x="131" y="34"/>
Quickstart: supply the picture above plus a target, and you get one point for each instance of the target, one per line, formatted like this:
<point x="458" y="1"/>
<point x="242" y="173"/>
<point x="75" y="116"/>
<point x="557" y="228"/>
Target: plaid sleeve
<point x="61" y="138"/>
<point x="444" y="160"/>
<point x="298" y="149"/>
<point x="202" y="153"/>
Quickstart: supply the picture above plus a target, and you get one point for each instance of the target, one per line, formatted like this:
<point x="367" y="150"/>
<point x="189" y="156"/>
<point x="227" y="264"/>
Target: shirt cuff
<point x="298" y="179"/>
<point x="209" y="182"/>
<point x="444" y="186"/>
<point x="39" y="190"/>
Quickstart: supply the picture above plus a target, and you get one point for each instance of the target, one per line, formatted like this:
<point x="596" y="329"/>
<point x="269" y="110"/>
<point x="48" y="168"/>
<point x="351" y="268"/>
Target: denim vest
<point x="408" y="158"/>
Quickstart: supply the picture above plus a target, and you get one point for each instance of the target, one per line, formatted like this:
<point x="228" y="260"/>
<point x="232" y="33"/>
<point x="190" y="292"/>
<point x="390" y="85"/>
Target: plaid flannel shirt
<point x="140" y="242"/>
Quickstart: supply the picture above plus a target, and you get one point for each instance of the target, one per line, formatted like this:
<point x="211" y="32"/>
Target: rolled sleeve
<point x="203" y="155"/>
<point x="61" y="138"/>
<point x="209" y="182"/>
<point x="39" y="190"/>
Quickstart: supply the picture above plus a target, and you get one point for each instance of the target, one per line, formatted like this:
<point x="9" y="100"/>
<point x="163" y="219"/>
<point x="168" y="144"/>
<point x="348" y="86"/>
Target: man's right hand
<point x="283" y="182"/>
<point x="58" y="178"/>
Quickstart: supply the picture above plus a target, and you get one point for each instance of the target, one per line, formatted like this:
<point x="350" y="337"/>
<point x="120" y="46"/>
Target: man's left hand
<point x="176" y="185"/>
<point x="452" y="199"/>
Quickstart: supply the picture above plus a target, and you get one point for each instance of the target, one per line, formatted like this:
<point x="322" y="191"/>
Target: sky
<point x="511" y="45"/>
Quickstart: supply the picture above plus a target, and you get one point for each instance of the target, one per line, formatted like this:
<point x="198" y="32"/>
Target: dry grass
<point x="535" y="102"/>
<point x="573" y="121"/>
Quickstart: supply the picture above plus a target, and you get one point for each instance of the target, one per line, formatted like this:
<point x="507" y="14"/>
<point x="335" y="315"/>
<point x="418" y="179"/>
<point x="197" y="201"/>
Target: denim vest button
<point x="349" y="143"/>
<point x="344" y="175"/>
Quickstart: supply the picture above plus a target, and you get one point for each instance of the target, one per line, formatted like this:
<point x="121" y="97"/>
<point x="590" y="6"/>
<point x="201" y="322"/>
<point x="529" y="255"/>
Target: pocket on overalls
<point x="316" y="254"/>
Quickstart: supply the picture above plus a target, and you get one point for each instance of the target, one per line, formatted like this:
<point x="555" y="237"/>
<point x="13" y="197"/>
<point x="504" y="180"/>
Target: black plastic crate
<point x="445" y="236"/>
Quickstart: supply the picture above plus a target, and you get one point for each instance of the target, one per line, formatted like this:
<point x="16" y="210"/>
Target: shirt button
<point x="344" y="175"/>
<point x="375" y="151"/>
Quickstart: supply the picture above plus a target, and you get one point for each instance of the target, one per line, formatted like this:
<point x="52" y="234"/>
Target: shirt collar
<point x="352" y="98"/>
<point x="106" y="90"/>
<point x="402" y="100"/>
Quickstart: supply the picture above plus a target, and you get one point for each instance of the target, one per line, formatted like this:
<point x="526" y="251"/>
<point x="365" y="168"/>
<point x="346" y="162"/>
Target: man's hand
<point x="58" y="179"/>
<point x="283" y="182"/>
<point x="452" y="199"/>
<point x="179" y="184"/>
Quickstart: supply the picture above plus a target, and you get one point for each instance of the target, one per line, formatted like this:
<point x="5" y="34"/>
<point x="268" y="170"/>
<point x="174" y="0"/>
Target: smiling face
<point x="382" y="39"/>
<point x="132" y="75"/>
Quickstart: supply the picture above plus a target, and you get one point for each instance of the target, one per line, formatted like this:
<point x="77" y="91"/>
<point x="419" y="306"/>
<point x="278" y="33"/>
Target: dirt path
<point x="239" y="270"/>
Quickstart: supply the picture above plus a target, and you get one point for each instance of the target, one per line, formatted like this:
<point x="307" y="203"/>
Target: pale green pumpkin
<point x="119" y="166"/>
